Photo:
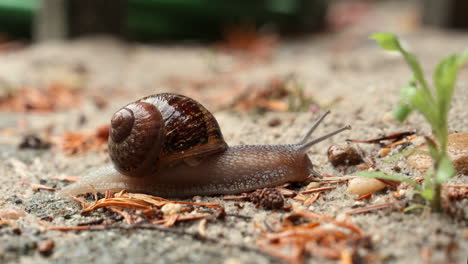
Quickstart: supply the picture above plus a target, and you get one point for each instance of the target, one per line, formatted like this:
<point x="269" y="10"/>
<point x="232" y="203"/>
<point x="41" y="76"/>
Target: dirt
<point x="344" y="72"/>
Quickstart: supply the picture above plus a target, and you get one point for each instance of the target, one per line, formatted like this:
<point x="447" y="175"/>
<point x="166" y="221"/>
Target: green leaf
<point x="427" y="194"/>
<point x="428" y="181"/>
<point x="390" y="42"/>
<point x="413" y="207"/>
<point x="433" y="149"/>
<point x="445" y="170"/>
<point x="463" y="58"/>
<point x="418" y="73"/>
<point x="445" y="77"/>
<point x="393" y="177"/>
<point x="417" y="98"/>
<point x="402" y="111"/>
<point x="408" y="91"/>
<point x="387" y="41"/>
<point x="405" y="153"/>
<point x="410" y="94"/>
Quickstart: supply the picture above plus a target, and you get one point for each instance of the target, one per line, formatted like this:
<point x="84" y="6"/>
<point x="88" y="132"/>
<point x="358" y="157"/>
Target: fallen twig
<point x="365" y="196"/>
<point x="393" y="184"/>
<point x="455" y="185"/>
<point x="339" y="179"/>
<point x="293" y="241"/>
<point x="67" y="178"/>
<point x="137" y="201"/>
<point x="371" y="208"/>
<point x="37" y="187"/>
<point x="309" y="201"/>
<point x="392" y="137"/>
<point x="124" y="214"/>
<point x="318" y="190"/>
<point x="286" y="192"/>
<point x="241" y="197"/>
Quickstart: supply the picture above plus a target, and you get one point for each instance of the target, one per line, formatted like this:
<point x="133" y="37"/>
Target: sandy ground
<point x="347" y="66"/>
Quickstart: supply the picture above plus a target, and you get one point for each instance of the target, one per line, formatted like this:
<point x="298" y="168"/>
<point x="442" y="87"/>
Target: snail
<point x="170" y="145"/>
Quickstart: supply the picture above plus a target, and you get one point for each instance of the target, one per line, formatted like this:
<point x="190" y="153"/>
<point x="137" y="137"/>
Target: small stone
<point x="197" y="198"/>
<point x="457" y="149"/>
<point x="357" y="204"/>
<point x="341" y="217"/>
<point x="220" y="213"/>
<point x="383" y="152"/>
<point x="16" y="230"/>
<point x="361" y="186"/>
<point x="343" y="155"/>
<point x="46" y="247"/>
<point x="33" y="142"/>
<point x="397" y="169"/>
<point x="274" y="122"/>
<point x="312" y="185"/>
<point x="380" y="200"/>
<point x="232" y="261"/>
<point x="399" y="194"/>
<point x="171" y="208"/>
<point x="297" y="207"/>
<point x="388" y="117"/>
<point x="11" y="213"/>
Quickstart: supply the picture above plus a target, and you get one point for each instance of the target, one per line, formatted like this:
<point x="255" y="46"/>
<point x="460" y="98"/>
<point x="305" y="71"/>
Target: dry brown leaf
<point x="54" y="97"/>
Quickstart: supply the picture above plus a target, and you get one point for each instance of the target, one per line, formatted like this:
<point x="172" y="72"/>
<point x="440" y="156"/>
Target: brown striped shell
<point x="162" y="130"/>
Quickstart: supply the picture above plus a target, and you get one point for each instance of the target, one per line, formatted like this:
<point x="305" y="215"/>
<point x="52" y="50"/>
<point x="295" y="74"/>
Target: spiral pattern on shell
<point x="136" y="134"/>
<point x="162" y="130"/>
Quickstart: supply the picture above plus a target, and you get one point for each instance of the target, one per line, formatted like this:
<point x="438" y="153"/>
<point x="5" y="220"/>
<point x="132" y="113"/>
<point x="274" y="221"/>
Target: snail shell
<point x="162" y="130"/>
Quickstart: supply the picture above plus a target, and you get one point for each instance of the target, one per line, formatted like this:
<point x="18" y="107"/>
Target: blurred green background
<point x="176" y="19"/>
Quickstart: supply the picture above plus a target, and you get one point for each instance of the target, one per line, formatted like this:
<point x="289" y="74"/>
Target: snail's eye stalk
<point x="305" y="146"/>
<point x="314" y="126"/>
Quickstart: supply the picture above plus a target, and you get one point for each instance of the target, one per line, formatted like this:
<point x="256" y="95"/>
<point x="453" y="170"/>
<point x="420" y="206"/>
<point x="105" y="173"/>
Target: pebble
<point x="357" y="204"/>
<point x="11" y="213"/>
<point x="197" y="198"/>
<point x="232" y="261"/>
<point x="312" y="185"/>
<point x="361" y="186"/>
<point x="383" y="152"/>
<point x="341" y="217"/>
<point x="388" y="117"/>
<point x="46" y="247"/>
<point x="399" y="194"/>
<point x="297" y="207"/>
<point x="343" y="155"/>
<point x="457" y="149"/>
<point x="171" y="208"/>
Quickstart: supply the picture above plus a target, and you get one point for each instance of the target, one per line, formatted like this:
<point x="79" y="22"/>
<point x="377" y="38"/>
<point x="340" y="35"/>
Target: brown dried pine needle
<point x="139" y="201"/>
<point x="319" y="189"/>
<point x="293" y="242"/>
<point x="371" y="208"/>
<point x="36" y="187"/>
<point x="147" y="204"/>
<point x="75" y="143"/>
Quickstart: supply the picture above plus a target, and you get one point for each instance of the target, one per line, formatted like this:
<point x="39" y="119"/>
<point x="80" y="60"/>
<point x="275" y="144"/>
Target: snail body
<point x="170" y="145"/>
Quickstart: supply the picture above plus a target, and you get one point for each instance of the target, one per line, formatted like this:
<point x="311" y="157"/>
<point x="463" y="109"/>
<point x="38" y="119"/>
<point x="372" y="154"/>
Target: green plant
<point x="434" y="105"/>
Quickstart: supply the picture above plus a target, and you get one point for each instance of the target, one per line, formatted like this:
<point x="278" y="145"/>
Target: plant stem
<point x="436" y="199"/>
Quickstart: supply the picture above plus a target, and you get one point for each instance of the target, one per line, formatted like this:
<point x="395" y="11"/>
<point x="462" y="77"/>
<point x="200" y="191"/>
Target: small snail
<point x="170" y="145"/>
